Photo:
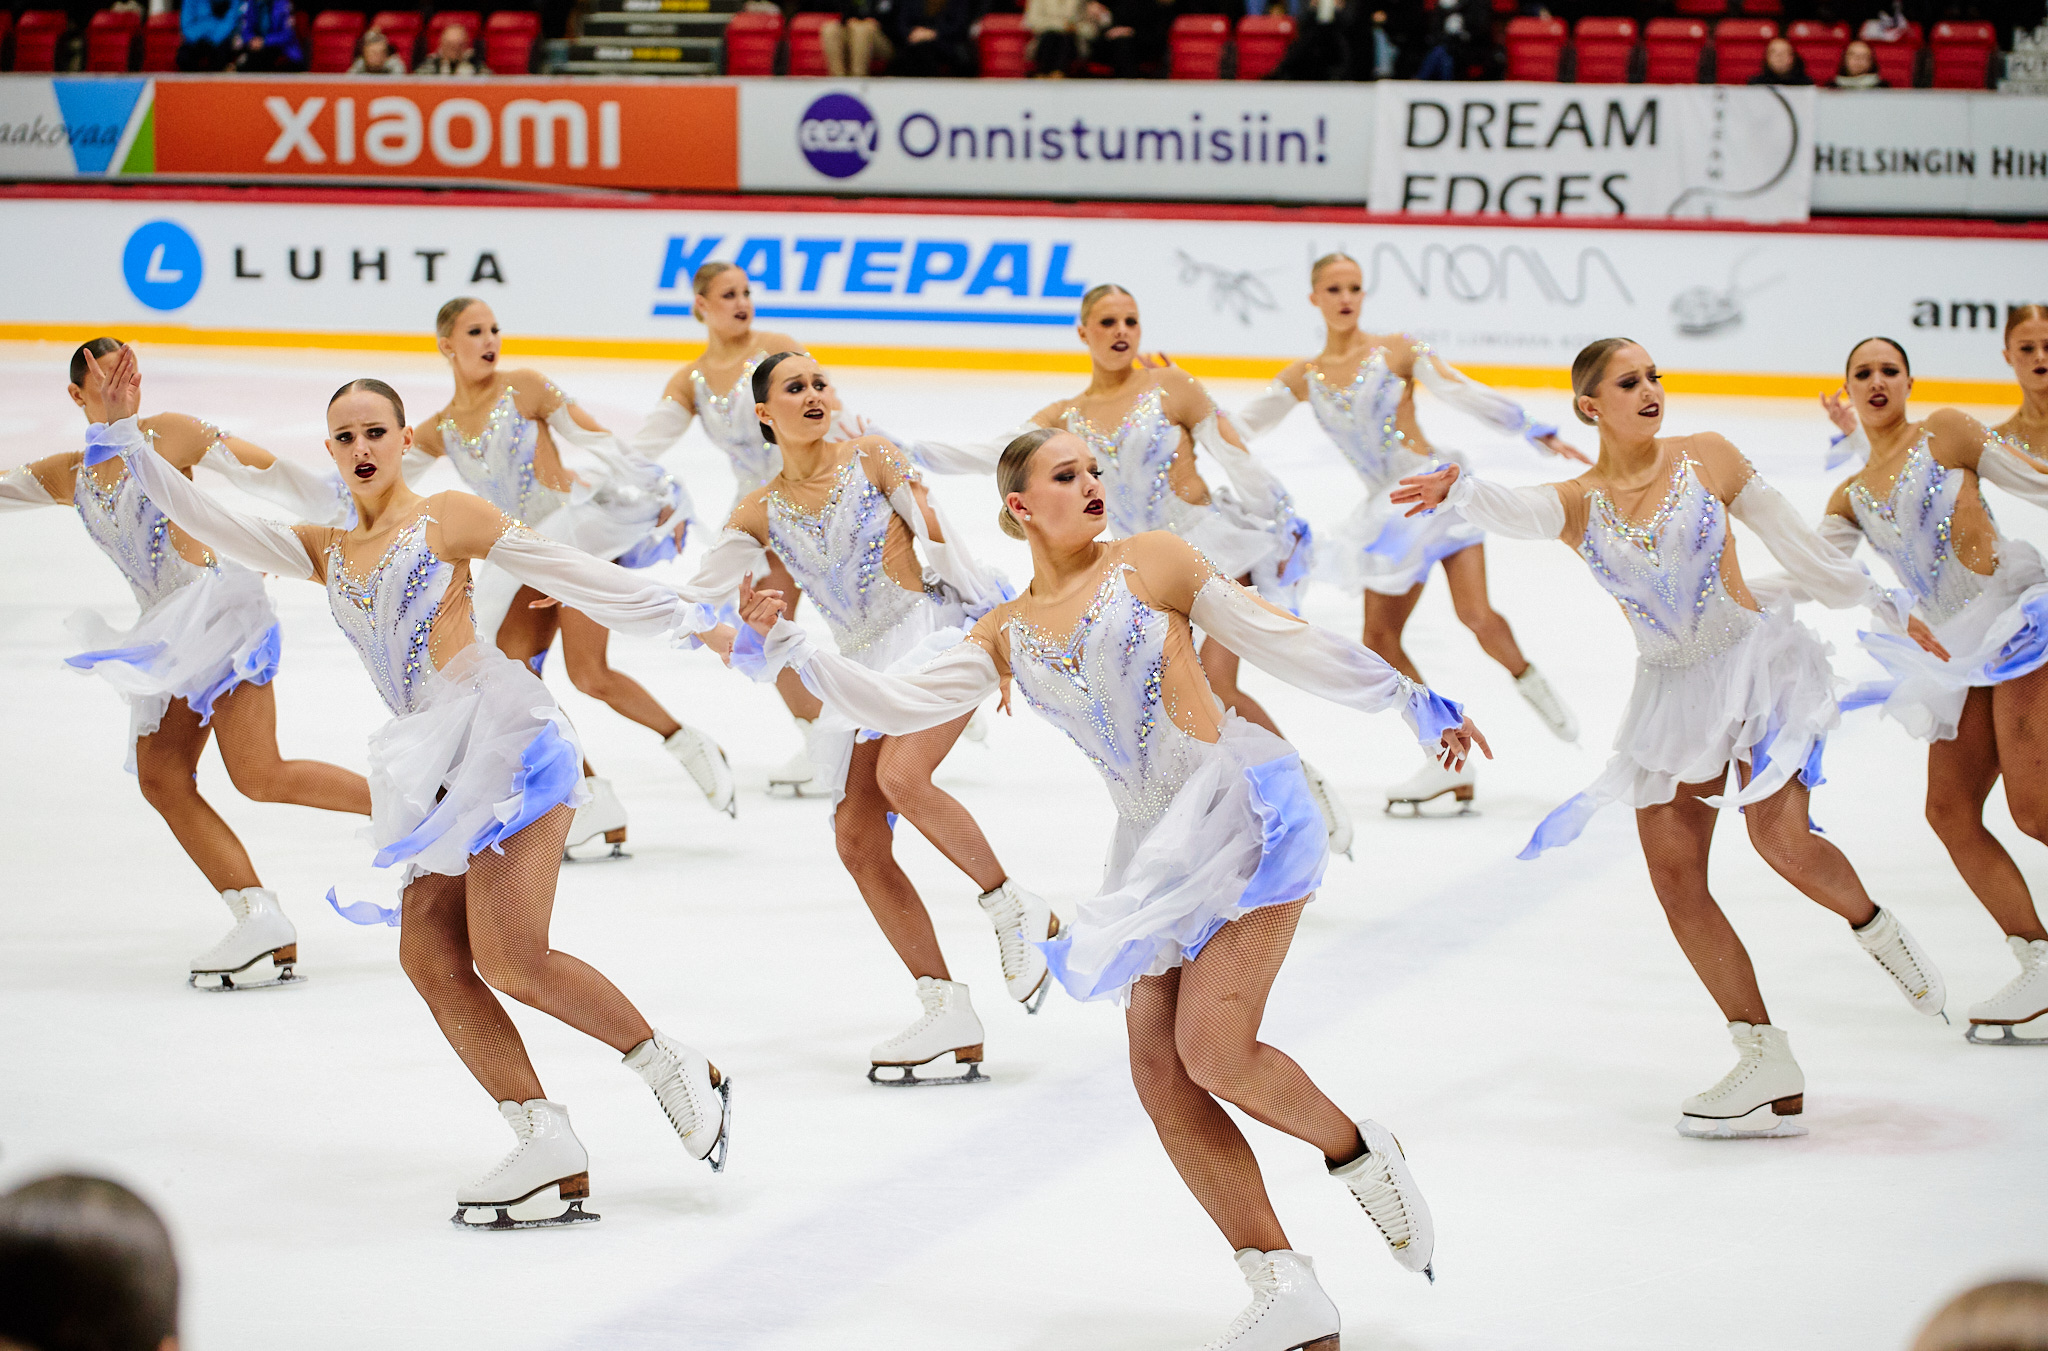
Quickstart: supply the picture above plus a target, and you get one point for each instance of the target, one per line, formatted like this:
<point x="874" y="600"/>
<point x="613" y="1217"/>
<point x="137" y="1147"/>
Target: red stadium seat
<point x="402" y="27"/>
<point x="1701" y="9"/>
<point x="1194" y="46"/>
<point x="334" y="41"/>
<point x="1899" y="59"/>
<point x="110" y="40"/>
<point x="1672" y="50"/>
<point x="1739" y="48"/>
<point x="1262" y="39"/>
<point x="1534" y="45"/>
<point x="806" y="52"/>
<point x="509" y="36"/>
<point x="1003" y="41"/>
<point x="472" y="23"/>
<point x="35" y="38"/>
<point x="161" y="36"/>
<point x="751" y="39"/>
<point x="1604" y="47"/>
<point x="1819" y="46"/>
<point x="6" y="28"/>
<point x="1962" y="55"/>
<point x="1763" y="9"/>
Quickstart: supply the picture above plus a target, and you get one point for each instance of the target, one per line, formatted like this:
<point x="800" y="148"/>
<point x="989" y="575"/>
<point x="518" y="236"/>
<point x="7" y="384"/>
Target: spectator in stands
<point x="454" y="54"/>
<point x="1131" y="35"/>
<point x="85" y="1265"/>
<point x="208" y="29"/>
<point x="1782" y="65"/>
<point x="374" y="56"/>
<point x="268" y="40"/>
<point x="1859" y="68"/>
<point x="935" y="38"/>
<point x="1337" y="40"/>
<point x="1887" y="25"/>
<point x="858" y="41"/>
<point x="1061" y="33"/>
<point x="1450" y="39"/>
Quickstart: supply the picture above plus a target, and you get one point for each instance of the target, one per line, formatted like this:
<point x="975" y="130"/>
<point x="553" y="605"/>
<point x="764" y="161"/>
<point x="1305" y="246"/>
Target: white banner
<point x="1931" y="151"/>
<point x="938" y="288"/>
<point x="1253" y="140"/>
<point x="1592" y="150"/>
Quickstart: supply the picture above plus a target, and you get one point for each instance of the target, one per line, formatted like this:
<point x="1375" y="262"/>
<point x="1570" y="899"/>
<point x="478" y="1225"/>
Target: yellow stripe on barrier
<point x="1754" y="384"/>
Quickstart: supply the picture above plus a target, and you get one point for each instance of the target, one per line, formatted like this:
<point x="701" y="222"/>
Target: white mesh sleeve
<point x="249" y="540"/>
<point x="982" y="588"/>
<point x="1516" y="513"/>
<point x="20" y="490"/>
<point x="1318" y="661"/>
<point x="1821" y="571"/>
<point x="1255" y="485"/>
<point x="1265" y="410"/>
<point x="618" y="598"/>
<point x="2000" y="466"/>
<point x="1851" y="446"/>
<point x="1473" y="399"/>
<point x="661" y="429"/>
<point x="306" y="493"/>
<point x="952" y="685"/>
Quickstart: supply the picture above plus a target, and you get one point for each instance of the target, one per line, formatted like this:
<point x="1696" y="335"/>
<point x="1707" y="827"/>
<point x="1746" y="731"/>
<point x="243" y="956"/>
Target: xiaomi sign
<point x="671" y="135"/>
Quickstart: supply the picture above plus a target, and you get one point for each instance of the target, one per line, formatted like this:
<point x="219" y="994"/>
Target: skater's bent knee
<point x="1217" y="1069"/>
<point x="166" y="786"/>
<point x="1955" y="817"/>
<point x="2030" y="817"/>
<point x="903" y="785"/>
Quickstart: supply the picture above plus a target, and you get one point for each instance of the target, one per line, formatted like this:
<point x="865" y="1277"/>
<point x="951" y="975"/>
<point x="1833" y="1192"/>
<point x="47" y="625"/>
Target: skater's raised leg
<point x="1465" y="572"/>
<point x="867" y="848"/>
<point x="1961" y="773"/>
<point x="245" y="729"/>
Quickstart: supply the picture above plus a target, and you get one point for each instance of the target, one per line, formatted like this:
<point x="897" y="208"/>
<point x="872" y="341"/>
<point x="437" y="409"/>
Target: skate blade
<point x="614" y="852"/>
<point x="908" y="1077"/>
<point x="505" y="1218"/>
<point x="793" y="788"/>
<point x="716" y="1158"/>
<point x="2008" y="1033"/>
<point x="221" y="982"/>
<point x="1415" y="813"/>
<point x="1761" y="1124"/>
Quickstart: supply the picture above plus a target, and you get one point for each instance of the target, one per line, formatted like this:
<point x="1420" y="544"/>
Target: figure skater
<point x="1720" y="681"/>
<point x="847" y="518"/>
<point x="473" y="780"/>
<point x="539" y="458"/>
<point x="1972" y="683"/>
<point x="198" y="663"/>
<point x="2026" y="351"/>
<point x="1361" y="388"/>
<point x="1218" y="847"/>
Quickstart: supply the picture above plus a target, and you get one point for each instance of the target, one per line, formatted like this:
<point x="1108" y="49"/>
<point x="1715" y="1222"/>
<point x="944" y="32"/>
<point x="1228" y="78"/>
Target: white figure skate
<point x="542" y="1183"/>
<point x="604" y="815"/>
<point x="976" y="729"/>
<point x="698" y="1105"/>
<point x="705" y="762"/>
<point x="1335" y="818"/>
<point x="1903" y="959"/>
<point x="948" y="1027"/>
<point x="1019" y="917"/>
<point x="799" y="775"/>
<point x="1288" y="1312"/>
<point x="2018" y="1014"/>
<point x="1536" y="692"/>
<point x="1430" y="782"/>
<point x="1380" y="1181"/>
<point x="261" y="930"/>
<point x="1753" y="1100"/>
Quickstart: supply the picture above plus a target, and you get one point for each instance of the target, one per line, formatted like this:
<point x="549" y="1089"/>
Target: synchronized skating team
<point x="478" y="786"/>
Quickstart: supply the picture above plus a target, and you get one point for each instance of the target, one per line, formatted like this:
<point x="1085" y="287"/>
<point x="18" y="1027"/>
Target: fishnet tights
<point x="1194" y="1035"/>
<point x="488" y="929"/>
<point x="2003" y="730"/>
<point x="1676" y="837"/>
<point x="895" y="774"/>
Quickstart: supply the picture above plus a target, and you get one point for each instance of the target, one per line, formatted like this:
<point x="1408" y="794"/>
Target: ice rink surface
<point x="1527" y="1029"/>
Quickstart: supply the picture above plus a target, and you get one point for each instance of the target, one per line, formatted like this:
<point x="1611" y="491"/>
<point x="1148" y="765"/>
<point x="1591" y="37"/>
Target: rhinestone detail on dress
<point x="497" y="463"/>
<point x="835" y="553"/>
<point x="1912" y="528"/>
<point x="389" y="615"/>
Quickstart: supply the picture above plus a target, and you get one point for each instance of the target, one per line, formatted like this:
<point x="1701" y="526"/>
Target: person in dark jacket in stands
<point x="935" y="38"/>
<point x="454" y="54"/>
<point x="1131" y="35"/>
<point x="1337" y="40"/>
<point x="268" y="40"/>
<point x="1782" y="65"/>
<point x="208" y="29"/>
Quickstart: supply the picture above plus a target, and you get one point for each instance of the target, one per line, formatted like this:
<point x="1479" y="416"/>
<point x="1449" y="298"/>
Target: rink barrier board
<point x="1996" y="393"/>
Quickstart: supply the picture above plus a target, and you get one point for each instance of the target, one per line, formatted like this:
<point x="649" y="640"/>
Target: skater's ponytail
<point x="1589" y="368"/>
<point x="1892" y="343"/>
<point x="1013" y="471"/>
<point x="99" y="347"/>
<point x="764" y="374"/>
<point x="85" y="1262"/>
<point x="368" y="385"/>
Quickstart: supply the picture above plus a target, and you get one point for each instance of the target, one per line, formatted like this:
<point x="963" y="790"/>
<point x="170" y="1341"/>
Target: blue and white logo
<point x="838" y="135"/>
<point x="162" y="265"/>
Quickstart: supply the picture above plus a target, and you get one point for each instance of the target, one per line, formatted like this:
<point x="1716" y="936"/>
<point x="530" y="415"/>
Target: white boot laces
<point x="1896" y="958"/>
<point x="934" y="999"/>
<point x="1008" y="917"/>
<point x="1383" y="1203"/>
<point x="2033" y="959"/>
<point x="1751" y="1050"/>
<point x="673" y="1090"/>
<point x="522" y="1128"/>
<point x="1265" y="1284"/>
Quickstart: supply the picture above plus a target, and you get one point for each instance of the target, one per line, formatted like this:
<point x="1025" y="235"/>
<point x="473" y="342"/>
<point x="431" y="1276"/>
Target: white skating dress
<point x="476" y="749"/>
<point x="1994" y="626"/>
<point x="839" y="554"/>
<point x="1378" y="547"/>
<point x="1717" y="683"/>
<point x="1250" y="527"/>
<point x="1206" y="830"/>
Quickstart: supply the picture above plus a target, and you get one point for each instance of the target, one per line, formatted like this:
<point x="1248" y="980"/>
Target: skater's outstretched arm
<point x="249" y="540"/>
<point x="980" y="587"/>
<point x="48" y="482"/>
<point x="1496" y="410"/>
<point x="1516" y="513"/>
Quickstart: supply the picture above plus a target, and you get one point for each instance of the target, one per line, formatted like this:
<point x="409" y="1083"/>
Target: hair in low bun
<point x="1892" y="343"/>
<point x="1589" y="368"/>
<point x="763" y="374"/>
<point x="1013" y="471"/>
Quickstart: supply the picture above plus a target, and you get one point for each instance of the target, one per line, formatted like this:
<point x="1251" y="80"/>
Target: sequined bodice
<point x="1135" y="460"/>
<point x="1103" y="686"/>
<point x="1359" y="418"/>
<point x="835" y="554"/>
<point x="1913" y="529"/>
<point x="130" y="530"/>
<point x="497" y="463"/>
<point x="389" y="615"/>
<point x="729" y="421"/>
<point x="1666" y="572"/>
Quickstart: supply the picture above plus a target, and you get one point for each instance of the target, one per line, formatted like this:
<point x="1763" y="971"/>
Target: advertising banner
<point x="66" y="128"/>
<point x="1931" y="151"/>
<point x="1005" y="290"/>
<point x="1521" y="149"/>
<point x="1249" y="141"/>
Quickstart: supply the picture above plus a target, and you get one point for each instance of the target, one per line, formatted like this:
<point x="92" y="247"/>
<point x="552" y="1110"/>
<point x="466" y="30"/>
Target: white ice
<point x="1527" y="1029"/>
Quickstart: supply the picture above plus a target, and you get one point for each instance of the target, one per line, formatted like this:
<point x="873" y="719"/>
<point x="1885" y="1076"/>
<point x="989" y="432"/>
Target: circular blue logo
<point x="162" y="265"/>
<point x="838" y="135"/>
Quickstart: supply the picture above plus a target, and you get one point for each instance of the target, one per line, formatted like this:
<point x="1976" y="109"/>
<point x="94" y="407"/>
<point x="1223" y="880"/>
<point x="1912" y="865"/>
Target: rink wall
<point x="988" y="285"/>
